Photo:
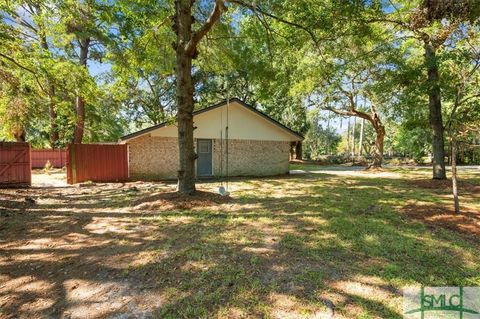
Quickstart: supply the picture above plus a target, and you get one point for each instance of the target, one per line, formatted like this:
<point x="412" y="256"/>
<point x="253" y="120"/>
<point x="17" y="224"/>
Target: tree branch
<point x="469" y="98"/>
<point x="200" y="33"/>
<point x="26" y="69"/>
<point x="255" y="8"/>
<point x="391" y="21"/>
<point x="353" y="112"/>
<point x="424" y="36"/>
<point x="339" y="112"/>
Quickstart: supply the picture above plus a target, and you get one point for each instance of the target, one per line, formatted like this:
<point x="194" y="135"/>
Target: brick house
<point x="230" y="138"/>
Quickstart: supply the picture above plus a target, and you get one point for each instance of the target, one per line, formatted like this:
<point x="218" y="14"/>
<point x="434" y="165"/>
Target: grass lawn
<point x="331" y="240"/>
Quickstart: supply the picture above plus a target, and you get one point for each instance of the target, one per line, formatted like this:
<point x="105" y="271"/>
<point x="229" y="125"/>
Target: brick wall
<point x="157" y="157"/>
<point x="252" y="157"/>
<point x="153" y="158"/>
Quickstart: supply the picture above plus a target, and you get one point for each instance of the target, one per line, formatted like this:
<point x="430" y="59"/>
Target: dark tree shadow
<point x="300" y="244"/>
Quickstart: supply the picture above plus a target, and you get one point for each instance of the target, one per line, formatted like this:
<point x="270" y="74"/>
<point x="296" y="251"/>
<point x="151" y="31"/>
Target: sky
<point x="96" y="68"/>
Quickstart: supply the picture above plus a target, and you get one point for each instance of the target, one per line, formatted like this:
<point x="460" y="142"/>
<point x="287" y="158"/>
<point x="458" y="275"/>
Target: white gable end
<point x="243" y="123"/>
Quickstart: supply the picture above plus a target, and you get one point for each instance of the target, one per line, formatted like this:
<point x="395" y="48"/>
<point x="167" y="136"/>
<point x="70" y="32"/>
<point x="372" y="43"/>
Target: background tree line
<point x="93" y="70"/>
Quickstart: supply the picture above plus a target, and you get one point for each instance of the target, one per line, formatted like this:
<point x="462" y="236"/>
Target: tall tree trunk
<point x="186" y="51"/>
<point x="187" y="155"/>
<point x="80" y="120"/>
<point x="378" y="149"/>
<point x="184" y="98"/>
<point x="79" y="100"/>
<point x="435" y="108"/>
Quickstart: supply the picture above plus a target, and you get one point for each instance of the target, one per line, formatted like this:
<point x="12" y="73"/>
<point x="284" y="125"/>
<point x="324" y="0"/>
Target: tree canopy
<point x="86" y="71"/>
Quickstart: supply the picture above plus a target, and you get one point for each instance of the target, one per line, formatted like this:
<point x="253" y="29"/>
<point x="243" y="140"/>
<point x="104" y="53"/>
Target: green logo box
<point x="441" y="303"/>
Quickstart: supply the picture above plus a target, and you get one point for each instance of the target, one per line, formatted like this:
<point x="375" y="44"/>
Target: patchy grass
<point x="332" y="240"/>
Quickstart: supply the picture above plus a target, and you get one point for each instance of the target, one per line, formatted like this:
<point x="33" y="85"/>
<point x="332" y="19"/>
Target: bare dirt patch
<point x="293" y="247"/>
<point x="173" y="200"/>
<point x="440" y="215"/>
<point x="64" y="251"/>
<point x="444" y="185"/>
<point x="54" y="177"/>
<point x="467" y="222"/>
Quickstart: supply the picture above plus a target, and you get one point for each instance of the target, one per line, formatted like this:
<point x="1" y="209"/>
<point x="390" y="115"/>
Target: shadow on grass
<point x="298" y="245"/>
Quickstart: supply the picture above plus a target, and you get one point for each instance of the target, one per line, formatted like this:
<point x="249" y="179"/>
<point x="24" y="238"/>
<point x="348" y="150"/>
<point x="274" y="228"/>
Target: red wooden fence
<point x="15" y="164"/>
<point x="57" y="157"/>
<point x="97" y="163"/>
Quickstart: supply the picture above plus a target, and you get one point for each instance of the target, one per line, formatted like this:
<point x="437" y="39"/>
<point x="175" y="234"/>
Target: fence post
<point x="71" y="164"/>
<point x="29" y="176"/>
<point x="74" y="164"/>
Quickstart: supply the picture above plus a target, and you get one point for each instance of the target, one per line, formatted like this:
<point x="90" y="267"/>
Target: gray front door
<point x="204" y="160"/>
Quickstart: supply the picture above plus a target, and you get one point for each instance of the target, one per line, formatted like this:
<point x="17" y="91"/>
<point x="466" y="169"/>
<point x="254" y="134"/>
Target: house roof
<point x="210" y="108"/>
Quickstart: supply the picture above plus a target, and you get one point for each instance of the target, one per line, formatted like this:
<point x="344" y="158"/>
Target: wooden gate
<point x="15" y="169"/>
<point x="97" y="163"/>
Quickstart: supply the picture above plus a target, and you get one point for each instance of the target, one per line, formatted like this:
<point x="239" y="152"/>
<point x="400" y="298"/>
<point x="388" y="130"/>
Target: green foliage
<point x="142" y="61"/>
<point x="320" y="140"/>
<point x="40" y="51"/>
<point x="286" y="58"/>
<point x="15" y="108"/>
<point x="414" y="142"/>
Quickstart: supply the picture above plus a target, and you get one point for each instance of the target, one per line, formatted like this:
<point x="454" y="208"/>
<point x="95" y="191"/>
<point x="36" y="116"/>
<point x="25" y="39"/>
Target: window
<point x="204" y="146"/>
